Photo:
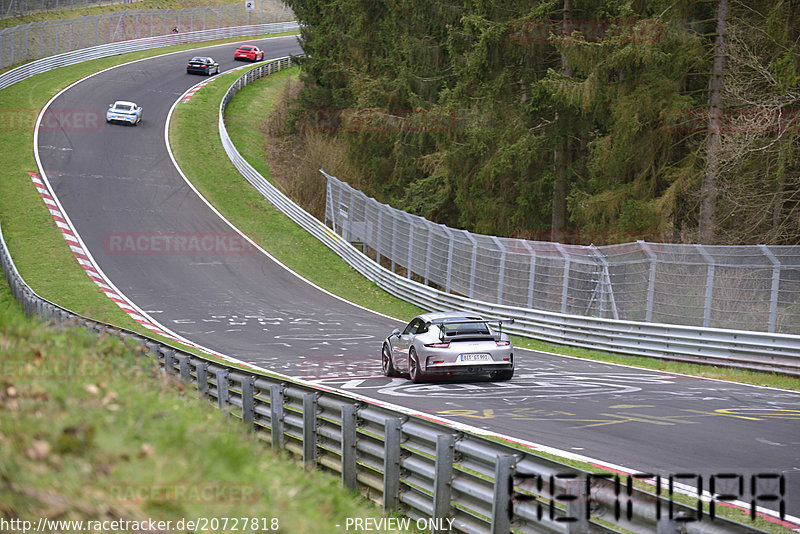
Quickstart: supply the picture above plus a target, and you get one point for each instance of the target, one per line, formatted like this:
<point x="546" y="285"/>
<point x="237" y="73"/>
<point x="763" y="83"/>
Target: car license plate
<point x="476" y="358"/>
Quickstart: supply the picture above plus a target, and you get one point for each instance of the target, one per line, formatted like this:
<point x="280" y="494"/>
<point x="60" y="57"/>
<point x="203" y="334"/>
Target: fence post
<point x="651" y="280"/>
<point x="248" y="402"/>
<point x="501" y="269"/>
<point x="310" y="429"/>
<point x="391" y="465"/>
<point x="169" y="364"/>
<point x="428" y="250"/>
<point x="411" y="234"/>
<point x="532" y="276"/>
<point x="473" y="264"/>
<point x="186" y="372"/>
<point x="392" y="239"/>
<point x="776" y="282"/>
<point x="449" y="265"/>
<point x="502" y="509"/>
<point x="349" y="436"/>
<point x="276" y="415"/>
<point x="222" y="389"/>
<point x="443" y="478"/>
<point x="710" y="267"/>
<point x="378" y="238"/>
<point x="608" y="289"/>
<point x="202" y="379"/>
<point x="564" y="278"/>
<point x="575" y="491"/>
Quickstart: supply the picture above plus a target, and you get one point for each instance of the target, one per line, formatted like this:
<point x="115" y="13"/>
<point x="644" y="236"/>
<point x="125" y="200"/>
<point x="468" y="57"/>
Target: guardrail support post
<point x="248" y="402"/>
<point x="185" y="369"/>
<point x="349" y="436"/>
<point x="169" y="356"/>
<point x="222" y="389"/>
<point x="576" y="506"/>
<point x="443" y="478"/>
<point x="276" y="415"/>
<point x="391" y="465"/>
<point x="202" y="379"/>
<point x="502" y="510"/>
<point x="310" y="429"/>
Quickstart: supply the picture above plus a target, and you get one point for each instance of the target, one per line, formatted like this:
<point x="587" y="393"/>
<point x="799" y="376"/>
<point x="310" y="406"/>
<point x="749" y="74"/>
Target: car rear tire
<point x="386" y="362"/>
<point x="503" y="375"/>
<point x="414" y="371"/>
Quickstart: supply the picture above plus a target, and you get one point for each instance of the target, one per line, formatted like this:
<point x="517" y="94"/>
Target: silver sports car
<point x="449" y="344"/>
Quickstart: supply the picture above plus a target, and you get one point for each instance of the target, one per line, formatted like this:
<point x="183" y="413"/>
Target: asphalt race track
<point x="115" y="181"/>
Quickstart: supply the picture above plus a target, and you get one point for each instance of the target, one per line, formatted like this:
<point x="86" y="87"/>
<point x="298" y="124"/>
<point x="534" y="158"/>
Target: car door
<point x="402" y="344"/>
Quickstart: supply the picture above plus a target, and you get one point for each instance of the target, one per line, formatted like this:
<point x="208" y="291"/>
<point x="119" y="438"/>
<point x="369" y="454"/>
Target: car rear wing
<point x="466" y="333"/>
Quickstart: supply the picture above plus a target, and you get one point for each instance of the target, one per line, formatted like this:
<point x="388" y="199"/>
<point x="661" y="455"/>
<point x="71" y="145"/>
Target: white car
<point x="449" y="344"/>
<point x="124" y="111"/>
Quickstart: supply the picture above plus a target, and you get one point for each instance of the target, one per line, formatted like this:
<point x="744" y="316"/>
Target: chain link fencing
<point x="20" y="8"/>
<point x="754" y="287"/>
<point x="47" y="38"/>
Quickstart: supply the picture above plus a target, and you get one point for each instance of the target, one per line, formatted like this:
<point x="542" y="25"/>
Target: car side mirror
<point x="396" y="332"/>
<point x="110" y="106"/>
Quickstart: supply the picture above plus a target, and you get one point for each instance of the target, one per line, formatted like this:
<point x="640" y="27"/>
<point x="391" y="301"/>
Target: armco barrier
<point x="444" y="476"/>
<point x="760" y="351"/>
<point x="112" y="49"/>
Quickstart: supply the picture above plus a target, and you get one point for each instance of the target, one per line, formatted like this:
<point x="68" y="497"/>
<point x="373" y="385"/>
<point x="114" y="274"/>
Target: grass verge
<point x="91" y="430"/>
<point x="204" y="161"/>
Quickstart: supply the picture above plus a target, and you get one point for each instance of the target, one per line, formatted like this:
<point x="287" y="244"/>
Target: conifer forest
<point x="580" y="121"/>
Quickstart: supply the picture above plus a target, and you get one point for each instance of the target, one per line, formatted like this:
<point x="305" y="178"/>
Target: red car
<point x="253" y="53"/>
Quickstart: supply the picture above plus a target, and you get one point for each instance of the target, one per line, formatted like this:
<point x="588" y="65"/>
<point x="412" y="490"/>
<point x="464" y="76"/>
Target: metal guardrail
<point x="760" y="351"/>
<point x="112" y="49"/>
<point x="442" y="477"/>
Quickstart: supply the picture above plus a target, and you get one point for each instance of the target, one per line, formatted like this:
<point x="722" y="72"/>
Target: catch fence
<point x="47" y="38"/>
<point x="20" y="8"/>
<point x="733" y="287"/>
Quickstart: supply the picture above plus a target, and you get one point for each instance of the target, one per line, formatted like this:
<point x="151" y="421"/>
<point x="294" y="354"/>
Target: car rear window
<point x="123" y="107"/>
<point x="460" y="329"/>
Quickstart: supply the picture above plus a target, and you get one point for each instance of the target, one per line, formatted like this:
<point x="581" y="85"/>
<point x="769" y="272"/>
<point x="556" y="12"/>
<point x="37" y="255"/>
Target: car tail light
<point x="437" y="345"/>
<point x="502" y="343"/>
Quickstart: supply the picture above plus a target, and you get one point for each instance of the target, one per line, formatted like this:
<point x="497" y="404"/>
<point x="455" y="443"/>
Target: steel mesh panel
<point x="740" y="287"/>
